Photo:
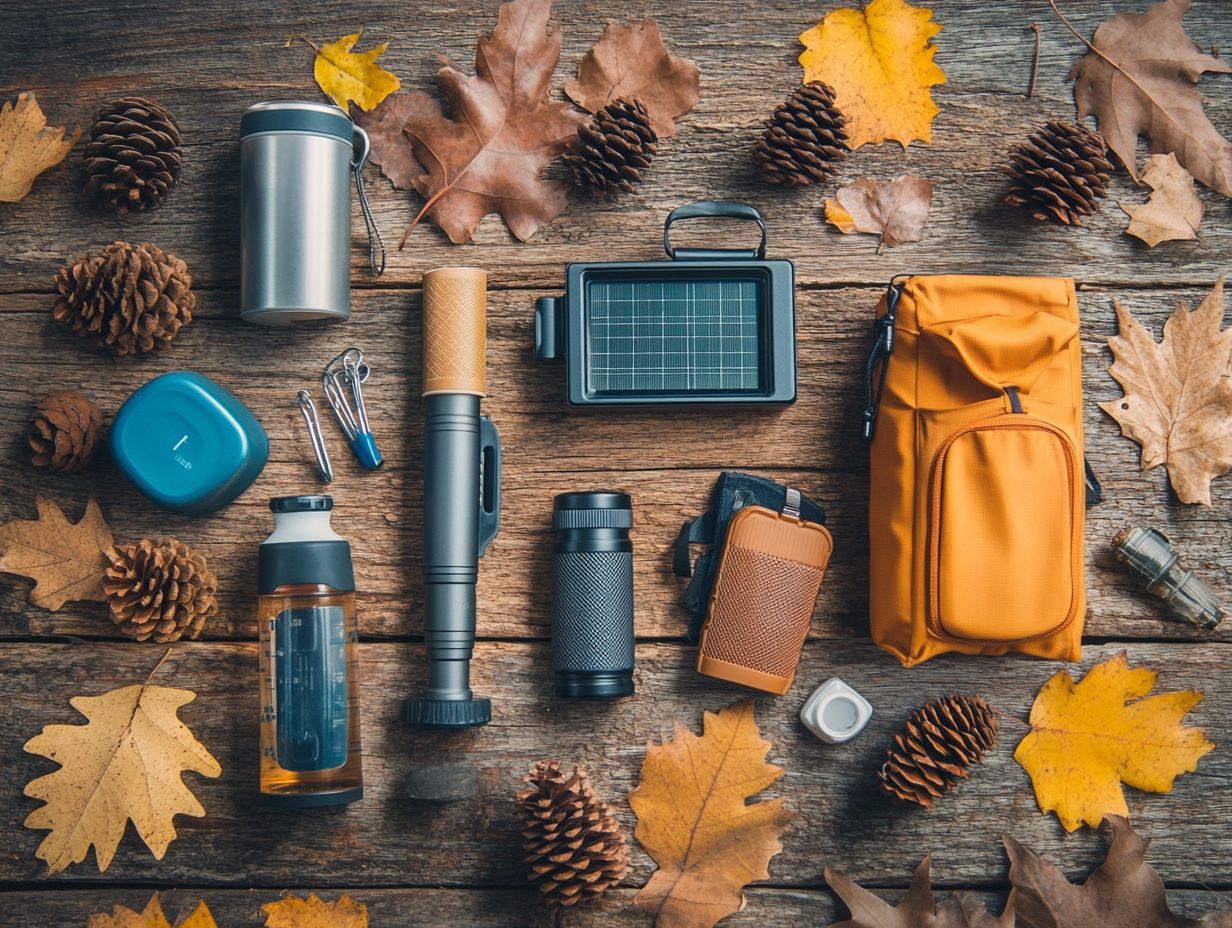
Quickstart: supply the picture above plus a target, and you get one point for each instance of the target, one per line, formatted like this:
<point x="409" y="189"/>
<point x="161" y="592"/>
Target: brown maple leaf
<point x="1140" y="77"/>
<point x="896" y="211"/>
<point x="488" y="155"/>
<point x="630" y="60"/>
<point x="1125" y="892"/>
<point x="915" y="910"/>
<point x="1173" y="212"/>
<point x="65" y="559"/>
<point x="1178" y="394"/>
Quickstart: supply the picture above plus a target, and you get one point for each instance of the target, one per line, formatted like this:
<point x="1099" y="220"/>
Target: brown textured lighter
<point x="455" y="324"/>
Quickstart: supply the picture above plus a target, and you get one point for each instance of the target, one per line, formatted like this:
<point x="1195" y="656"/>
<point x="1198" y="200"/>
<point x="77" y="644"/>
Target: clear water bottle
<point x="309" y="661"/>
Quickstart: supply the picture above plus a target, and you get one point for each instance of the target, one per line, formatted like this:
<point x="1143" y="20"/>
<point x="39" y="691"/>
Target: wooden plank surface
<point x="421" y="866"/>
<point x="387" y="840"/>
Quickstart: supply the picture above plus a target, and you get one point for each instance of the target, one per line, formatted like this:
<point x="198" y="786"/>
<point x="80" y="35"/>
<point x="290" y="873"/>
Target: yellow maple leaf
<point x="693" y="818"/>
<point x="880" y="63"/>
<point x="313" y="912"/>
<point x="28" y="146"/>
<point x="348" y="76"/>
<point x="1087" y="738"/>
<point x="151" y="917"/>
<point x="124" y="763"/>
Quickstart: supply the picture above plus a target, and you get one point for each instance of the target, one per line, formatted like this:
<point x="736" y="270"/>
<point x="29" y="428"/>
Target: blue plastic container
<point x="188" y="443"/>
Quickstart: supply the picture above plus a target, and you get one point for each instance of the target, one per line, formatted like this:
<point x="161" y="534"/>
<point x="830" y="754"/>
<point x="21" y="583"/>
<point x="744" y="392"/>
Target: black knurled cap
<point x="423" y="712"/>
<point x="596" y="509"/>
<point x="315" y="503"/>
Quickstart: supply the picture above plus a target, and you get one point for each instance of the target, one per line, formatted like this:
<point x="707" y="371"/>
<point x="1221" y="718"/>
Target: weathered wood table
<point x="459" y="864"/>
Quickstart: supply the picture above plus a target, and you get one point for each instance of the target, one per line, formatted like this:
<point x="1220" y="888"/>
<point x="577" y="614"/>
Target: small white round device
<point x="835" y="712"/>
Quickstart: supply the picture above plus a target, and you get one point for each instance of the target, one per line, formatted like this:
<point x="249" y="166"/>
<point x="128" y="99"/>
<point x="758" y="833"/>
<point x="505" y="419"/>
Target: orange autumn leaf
<point x="151" y="917"/>
<point x="28" y="146"/>
<point x="694" y="819"/>
<point x="314" y="912"/>
<point x="65" y="559"/>
<point x="879" y="61"/>
<point x="126" y="763"/>
<point x="1088" y="738"/>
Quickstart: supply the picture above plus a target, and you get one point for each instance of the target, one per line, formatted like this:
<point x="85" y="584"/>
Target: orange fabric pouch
<point x="976" y="508"/>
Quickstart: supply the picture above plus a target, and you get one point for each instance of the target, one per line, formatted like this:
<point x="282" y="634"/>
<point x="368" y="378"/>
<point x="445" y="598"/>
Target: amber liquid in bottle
<point x="301" y="754"/>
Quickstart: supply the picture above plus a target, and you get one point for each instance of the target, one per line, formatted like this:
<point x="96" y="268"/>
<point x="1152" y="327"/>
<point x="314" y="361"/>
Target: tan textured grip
<point x="455" y="330"/>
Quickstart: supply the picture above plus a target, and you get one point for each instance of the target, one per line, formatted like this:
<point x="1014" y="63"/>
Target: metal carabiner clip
<point x="347" y="374"/>
<point x="309" y="410"/>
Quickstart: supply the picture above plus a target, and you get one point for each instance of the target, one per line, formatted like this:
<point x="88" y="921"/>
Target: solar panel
<point x="674" y="336"/>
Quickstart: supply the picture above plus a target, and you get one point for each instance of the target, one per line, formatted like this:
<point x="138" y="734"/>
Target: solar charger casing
<point x="706" y="326"/>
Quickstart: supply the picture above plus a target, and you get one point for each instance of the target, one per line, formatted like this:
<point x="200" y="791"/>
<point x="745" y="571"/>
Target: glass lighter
<point x="1149" y="556"/>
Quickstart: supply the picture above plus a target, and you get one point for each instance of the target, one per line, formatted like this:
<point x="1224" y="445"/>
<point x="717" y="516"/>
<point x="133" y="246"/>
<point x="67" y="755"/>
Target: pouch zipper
<point x="883" y="347"/>
<point x="1009" y="421"/>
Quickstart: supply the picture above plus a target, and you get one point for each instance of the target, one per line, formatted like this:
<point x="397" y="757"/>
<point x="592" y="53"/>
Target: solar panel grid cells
<point x="674" y="336"/>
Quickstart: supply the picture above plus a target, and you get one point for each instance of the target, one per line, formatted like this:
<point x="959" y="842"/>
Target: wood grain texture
<point x="418" y="865"/>
<point x="387" y="840"/>
<point x="668" y="467"/>
<point x="431" y="908"/>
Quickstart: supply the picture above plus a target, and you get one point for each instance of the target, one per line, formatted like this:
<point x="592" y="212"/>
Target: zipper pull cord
<point x="883" y="347"/>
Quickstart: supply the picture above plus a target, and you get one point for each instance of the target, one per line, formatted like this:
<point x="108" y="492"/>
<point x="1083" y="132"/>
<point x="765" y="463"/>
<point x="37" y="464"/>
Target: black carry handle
<point x="726" y="209"/>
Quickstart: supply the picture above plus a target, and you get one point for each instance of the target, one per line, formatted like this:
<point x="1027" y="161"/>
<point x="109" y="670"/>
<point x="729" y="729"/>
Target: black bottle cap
<point x="591" y="684"/>
<point x="595" y="499"/>
<point x="317" y="503"/>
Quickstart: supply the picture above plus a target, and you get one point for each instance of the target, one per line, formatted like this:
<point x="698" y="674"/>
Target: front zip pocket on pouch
<point x="1002" y="554"/>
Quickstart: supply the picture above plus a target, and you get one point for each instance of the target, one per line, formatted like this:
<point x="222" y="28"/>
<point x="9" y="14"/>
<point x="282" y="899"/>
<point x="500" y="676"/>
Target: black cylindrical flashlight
<point x="461" y="488"/>
<point x="592" y="595"/>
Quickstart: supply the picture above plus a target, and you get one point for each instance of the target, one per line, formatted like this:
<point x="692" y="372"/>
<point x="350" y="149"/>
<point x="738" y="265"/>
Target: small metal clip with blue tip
<point x="347" y="374"/>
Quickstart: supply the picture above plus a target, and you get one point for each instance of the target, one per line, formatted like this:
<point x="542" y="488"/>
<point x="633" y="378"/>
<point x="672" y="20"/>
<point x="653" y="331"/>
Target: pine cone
<point x="804" y="139"/>
<point x="1060" y="173"/>
<point x="935" y="748"/>
<point x="160" y="590"/>
<point x="613" y="149"/>
<point x="63" y="432"/>
<point x="574" y="845"/>
<point x="128" y="298"/>
<point x="133" y="156"/>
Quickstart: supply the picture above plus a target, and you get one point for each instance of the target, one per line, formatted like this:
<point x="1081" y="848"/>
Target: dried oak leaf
<point x="896" y="211"/>
<point x="313" y="912"/>
<point x="124" y="763"/>
<point x="66" y="560"/>
<point x="693" y="818"/>
<point x="1141" y="78"/>
<point x="353" y="77"/>
<point x="1087" y="738"/>
<point x="879" y="61"/>
<point x="915" y="910"/>
<point x="151" y="917"/>
<point x="489" y="157"/>
<point x="1125" y="892"/>
<point x="1173" y="212"/>
<point x="630" y="60"/>
<point x="1178" y="394"/>
<point x="390" y="148"/>
<point x="28" y="146"/>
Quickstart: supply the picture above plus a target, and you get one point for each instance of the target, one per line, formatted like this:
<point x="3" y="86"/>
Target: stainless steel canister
<point x="297" y="160"/>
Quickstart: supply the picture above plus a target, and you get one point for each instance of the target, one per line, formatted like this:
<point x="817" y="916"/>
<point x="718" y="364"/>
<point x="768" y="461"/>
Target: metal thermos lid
<point x="297" y="116"/>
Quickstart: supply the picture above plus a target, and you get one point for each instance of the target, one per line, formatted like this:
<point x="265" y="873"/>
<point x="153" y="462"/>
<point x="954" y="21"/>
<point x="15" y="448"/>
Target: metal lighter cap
<point x="1150" y="558"/>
